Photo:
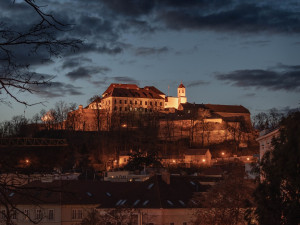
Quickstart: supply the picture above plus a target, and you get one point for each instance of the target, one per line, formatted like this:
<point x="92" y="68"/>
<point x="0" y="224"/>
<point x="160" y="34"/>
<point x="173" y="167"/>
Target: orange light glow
<point x="203" y="160"/>
<point x="223" y="153"/>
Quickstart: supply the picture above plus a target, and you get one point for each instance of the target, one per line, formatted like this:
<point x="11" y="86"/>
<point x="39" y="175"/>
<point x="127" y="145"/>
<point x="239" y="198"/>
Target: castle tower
<point x="181" y="94"/>
<point x="181" y="90"/>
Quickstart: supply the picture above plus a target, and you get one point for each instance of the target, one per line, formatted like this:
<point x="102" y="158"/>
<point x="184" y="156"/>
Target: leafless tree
<point x="16" y="77"/>
<point x="118" y="215"/>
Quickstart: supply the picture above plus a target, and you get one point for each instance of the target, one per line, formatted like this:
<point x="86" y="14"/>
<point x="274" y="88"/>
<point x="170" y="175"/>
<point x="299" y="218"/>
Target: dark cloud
<point x="240" y="18"/>
<point x="86" y="72"/>
<point x="92" y="47"/>
<point x="287" y="80"/>
<point x="259" y="43"/>
<point x="58" y="89"/>
<point x="74" y="62"/>
<point x="229" y="15"/>
<point x="131" y="8"/>
<point x="196" y="83"/>
<point x="125" y="79"/>
<point x="53" y="88"/>
<point x="249" y="95"/>
<point x="144" y="51"/>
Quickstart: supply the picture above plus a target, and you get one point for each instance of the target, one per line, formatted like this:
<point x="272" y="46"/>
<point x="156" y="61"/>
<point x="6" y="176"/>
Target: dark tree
<point x="41" y="37"/>
<point x="140" y="160"/>
<point x="278" y="194"/>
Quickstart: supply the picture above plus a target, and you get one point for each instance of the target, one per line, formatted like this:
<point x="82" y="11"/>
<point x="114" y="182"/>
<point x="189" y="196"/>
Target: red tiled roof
<point x="181" y="86"/>
<point x="227" y="108"/>
<point x="153" y="193"/>
<point x="154" y="89"/>
<point x="132" y="92"/>
<point x="114" y="85"/>
<point x="217" y="108"/>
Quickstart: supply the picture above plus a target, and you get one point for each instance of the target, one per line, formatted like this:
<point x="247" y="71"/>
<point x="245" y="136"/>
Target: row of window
<point x="121" y="109"/>
<point x="39" y="214"/>
<point x="135" y="102"/>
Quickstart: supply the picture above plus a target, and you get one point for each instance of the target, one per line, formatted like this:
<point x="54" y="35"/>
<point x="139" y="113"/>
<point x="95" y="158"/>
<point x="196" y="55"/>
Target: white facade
<point x="265" y="141"/>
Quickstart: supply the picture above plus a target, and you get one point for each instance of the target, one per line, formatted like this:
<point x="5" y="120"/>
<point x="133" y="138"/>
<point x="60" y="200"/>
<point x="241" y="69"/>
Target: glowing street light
<point x="203" y="160"/>
<point x="223" y="153"/>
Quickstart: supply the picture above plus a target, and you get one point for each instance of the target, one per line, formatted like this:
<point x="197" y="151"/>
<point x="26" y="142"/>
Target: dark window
<point x="135" y="102"/>
<point x="125" y="108"/>
<point x="125" y="101"/>
<point x="150" y="103"/>
<point x="120" y="109"/>
<point x="182" y="91"/>
<point x="141" y="102"/>
<point x="115" y="108"/>
<point x="146" y="103"/>
<point x="160" y="103"/>
<point x="155" y="103"/>
<point x="130" y="101"/>
<point x="115" y="101"/>
<point x="120" y="101"/>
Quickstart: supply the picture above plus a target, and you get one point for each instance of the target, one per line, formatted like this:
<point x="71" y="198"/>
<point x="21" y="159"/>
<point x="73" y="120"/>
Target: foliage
<point x="139" y="160"/>
<point x="278" y="194"/>
<point x="226" y="202"/>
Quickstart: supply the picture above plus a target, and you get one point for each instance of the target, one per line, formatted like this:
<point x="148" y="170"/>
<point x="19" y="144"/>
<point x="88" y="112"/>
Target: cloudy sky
<point x="225" y="52"/>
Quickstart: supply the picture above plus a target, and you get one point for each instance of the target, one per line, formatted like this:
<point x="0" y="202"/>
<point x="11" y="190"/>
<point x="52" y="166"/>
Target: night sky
<point x="225" y="52"/>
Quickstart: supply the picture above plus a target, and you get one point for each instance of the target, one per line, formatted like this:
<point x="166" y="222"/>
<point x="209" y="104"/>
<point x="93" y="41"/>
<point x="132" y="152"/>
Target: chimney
<point x="80" y="107"/>
<point x="165" y="176"/>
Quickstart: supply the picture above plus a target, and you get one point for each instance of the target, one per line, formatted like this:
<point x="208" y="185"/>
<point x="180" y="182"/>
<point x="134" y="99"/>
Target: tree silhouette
<point x="278" y="194"/>
<point x="16" y="77"/>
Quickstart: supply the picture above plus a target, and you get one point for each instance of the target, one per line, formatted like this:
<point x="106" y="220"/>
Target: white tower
<point x="181" y="94"/>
